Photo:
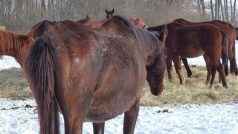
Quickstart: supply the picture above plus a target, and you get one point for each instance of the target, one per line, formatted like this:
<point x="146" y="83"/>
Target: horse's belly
<point x="189" y="53"/>
<point x="104" y="110"/>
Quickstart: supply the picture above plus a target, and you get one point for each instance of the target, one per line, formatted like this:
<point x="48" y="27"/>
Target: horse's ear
<point x="106" y="11"/>
<point x="113" y="10"/>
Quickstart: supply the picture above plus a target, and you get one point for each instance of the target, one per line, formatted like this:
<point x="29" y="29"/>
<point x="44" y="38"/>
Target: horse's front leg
<point x="130" y="118"/>
<point x="178" y="68"/>
<point x="98" y="128"/>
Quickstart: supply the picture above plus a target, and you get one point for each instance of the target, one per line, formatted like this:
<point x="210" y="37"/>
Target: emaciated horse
<point x="93" y="74"/>
<point x="45" y="25"/>
<point x="230" y="33"/>
<point x="192" y="41"/>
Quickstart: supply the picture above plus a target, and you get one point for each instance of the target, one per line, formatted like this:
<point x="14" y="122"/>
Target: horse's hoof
<point x="225" y="86"/>
<point x="190" y="75"/>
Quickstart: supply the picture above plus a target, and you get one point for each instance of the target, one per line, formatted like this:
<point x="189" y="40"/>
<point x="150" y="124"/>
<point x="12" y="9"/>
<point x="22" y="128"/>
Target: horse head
<point x="155" y="72"/>
<point x="109" y="13"/>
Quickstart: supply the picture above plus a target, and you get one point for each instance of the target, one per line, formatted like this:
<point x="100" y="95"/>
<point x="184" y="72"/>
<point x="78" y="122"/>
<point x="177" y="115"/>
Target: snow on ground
<point x="16" y="118"/>
<point x="8" y="62"/>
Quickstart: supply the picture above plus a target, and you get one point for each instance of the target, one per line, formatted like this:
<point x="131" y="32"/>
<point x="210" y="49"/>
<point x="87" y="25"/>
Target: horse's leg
<point x="178" y="68"/>
<point x="185" y="63"/>
<point x="130" y="118"/>
<point x="222" y="75"/>
<point x="213" y="71"/>
<point x="73" y="125"/>
<point x="169" y="66"/>
<point x="74" y="109"/>
<point x="98" y="128"/>
<point x="208" y="66"/>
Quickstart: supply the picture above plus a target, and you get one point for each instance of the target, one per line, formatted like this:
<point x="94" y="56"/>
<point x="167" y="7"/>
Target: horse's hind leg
<point x="98" y="128"/>
<point x="185" y="63"/>
<point x="178" y="68"/>
<point x="130" y="118"/>
<point x="213" y="71"/>
<point x="222" y="75"/>
<point x="169" y="66"/>
<point x="208" y="69"/>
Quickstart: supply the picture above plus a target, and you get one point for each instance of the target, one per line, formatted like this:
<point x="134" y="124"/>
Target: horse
<point x="88" y="21"/>
<point x="191" y="41"/>
<point x="15" y="45"/>
<point x="93" y="74"/>
<point x="230" y="33"/>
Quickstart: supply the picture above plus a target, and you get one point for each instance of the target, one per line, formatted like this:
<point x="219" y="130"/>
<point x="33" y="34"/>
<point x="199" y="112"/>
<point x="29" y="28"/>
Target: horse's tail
<point x="40" y="71"/>
<point x="224" y="52"/>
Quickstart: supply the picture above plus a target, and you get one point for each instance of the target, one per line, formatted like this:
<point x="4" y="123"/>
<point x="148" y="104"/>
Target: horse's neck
<point x="148" y="45"/>
<point x="12" y="46"/>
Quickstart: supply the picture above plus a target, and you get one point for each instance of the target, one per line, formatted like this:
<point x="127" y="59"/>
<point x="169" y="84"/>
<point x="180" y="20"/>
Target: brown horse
<point x="192" y="41"/>
<point x="45" y="25"/>
<point x="15" y="45"/>
<point x="230" y="33"/>
<point x="93" y="74"/>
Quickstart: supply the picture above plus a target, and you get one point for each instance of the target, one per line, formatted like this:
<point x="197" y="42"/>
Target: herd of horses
<point x="92" y="70"/>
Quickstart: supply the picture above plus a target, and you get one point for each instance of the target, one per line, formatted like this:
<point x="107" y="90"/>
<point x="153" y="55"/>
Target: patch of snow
<point x="8" y="62"/>
<point x="183" y="119"/>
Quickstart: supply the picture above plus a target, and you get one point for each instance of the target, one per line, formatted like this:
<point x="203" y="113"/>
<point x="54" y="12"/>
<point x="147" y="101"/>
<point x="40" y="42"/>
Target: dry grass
<point x="194" y="90"/>
<point x="14" y="85"/>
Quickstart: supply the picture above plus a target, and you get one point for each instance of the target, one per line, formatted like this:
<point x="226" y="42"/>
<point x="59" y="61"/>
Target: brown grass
<point x="194" y="90"/>
<point x="14" y="85"/>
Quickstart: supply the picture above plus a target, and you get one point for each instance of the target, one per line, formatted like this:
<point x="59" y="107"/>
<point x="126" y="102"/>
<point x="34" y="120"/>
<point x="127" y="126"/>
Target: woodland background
<point x="21" y="15"/>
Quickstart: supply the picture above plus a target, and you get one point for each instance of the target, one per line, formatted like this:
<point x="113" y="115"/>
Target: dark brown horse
<point x="230" y="33"/>
<point x="191" y="41"/>
<point x="93" y="74"/>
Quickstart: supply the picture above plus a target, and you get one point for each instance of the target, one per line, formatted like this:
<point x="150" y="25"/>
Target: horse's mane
<point x="11" y="41"/>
